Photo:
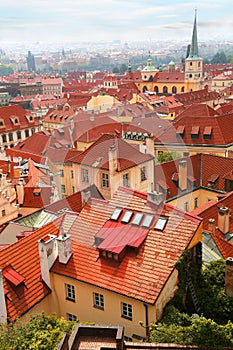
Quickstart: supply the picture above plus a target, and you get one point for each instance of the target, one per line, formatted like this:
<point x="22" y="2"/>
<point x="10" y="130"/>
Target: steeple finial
<point x="194" y="47"/>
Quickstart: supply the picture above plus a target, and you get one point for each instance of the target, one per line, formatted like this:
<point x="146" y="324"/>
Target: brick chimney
<point x="223" y="219"/>
<point x="150" y="148"/>
<point x="112" y="158"/>
<point x="211" y="225"/>
<point x="183" y="184"/>
<point x="229" y="277"/>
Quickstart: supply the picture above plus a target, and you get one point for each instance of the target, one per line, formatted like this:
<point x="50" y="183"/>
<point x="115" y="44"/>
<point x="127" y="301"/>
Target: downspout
<point x="147" y="322"/>
<point x="200" y="170"/>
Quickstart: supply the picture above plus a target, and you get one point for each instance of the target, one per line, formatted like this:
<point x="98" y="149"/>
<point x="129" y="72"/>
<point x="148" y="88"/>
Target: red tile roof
<point x="23" y="258"/>
<point x="97" y="154"/>
<point x="220" y="135"/>
<point x="9" y="114"/>
<point x="132" y="277"/>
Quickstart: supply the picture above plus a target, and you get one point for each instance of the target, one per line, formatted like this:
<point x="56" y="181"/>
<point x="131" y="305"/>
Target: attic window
<point x="147" y="221"/>
<point x="207" y="132"/>
<point x="195" y="132"/>
<point x="212" y="181"/>
<point x="12" y="276"/>
<point x="127" y="216"/>
<point x="180" y="130"/>
<point x="36" y="192"/>
<point x="137" y="219"/>
<point x="116" y="214"/>
<point x="160" y="224"/>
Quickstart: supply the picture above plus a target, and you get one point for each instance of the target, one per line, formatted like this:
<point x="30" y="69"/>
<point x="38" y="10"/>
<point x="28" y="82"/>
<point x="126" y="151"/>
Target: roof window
<point x="137" y="219"/>
<point x="127" y="216"/>
<point x="12" y="276"/>
<point x="147" y="221"/>
<point x="116" y="214"/>
<point x="160" y="224"/>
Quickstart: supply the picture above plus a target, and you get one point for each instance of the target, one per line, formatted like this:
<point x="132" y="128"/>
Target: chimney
<point x="156" y="196"/>
<point x="86" y="196"/>
<point x="64" y="248"/>
<point x="229" y="277"/>
<point x="223" y="219"/>
<point x="150" y="148"/>
<point x="3" y="310"/>
<point x="112" y="158"/>
<point x="20" y="192"/>
<point x="211" y="225"/>
<point x="183" y="175"/>
<point x="48" y="252"/>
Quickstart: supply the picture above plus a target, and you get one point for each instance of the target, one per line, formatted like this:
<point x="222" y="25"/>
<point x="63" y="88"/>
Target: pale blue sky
<point x="89" y="20"/>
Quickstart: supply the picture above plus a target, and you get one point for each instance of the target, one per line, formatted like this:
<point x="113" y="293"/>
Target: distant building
<point x="31" y="62"/>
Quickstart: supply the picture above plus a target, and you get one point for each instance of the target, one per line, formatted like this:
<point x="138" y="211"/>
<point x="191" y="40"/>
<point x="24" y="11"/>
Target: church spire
<point x="194" y="47"/>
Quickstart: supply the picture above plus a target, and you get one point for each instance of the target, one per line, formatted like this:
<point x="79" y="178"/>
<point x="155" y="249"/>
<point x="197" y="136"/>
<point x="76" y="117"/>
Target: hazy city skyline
<point x="75" y="20"/>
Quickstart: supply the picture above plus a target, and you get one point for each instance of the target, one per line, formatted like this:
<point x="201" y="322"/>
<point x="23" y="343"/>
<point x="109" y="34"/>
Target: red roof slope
<point x="132" y="277"/>
<point x="220" y="134"/>
<point x="97" y="154"/>
<point x="23" y="257"/>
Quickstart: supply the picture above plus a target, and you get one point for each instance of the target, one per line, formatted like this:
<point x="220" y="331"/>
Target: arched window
<point x="182" y="89"/>
<point x="156" y="89"/>
<point x="144" y="88"/>
<point x="174" y="90"/>
<point x="165" y="89"/>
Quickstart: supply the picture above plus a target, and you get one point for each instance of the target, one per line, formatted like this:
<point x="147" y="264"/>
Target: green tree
<point x="5" y="70"/>
<point x="167" y="156"/>
<point x="219" y="57"/>
<point x="115" y="70"/>
<point x="40" y="333"/>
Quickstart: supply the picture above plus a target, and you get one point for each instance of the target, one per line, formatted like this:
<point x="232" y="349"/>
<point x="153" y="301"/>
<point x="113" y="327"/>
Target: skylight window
<point x="160" y="224"/>
<point x="148" y="221"/>
<point x="127" y="216"/>
<point x="115" y="215"/>
<point x="137" y="219"/>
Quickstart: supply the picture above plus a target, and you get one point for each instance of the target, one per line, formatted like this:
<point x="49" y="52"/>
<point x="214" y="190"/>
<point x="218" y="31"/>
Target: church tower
<point x="194" y="63"/>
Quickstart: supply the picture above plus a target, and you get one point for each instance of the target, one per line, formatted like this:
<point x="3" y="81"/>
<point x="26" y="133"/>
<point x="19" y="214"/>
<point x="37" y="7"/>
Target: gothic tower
<point x="194" y="63"/>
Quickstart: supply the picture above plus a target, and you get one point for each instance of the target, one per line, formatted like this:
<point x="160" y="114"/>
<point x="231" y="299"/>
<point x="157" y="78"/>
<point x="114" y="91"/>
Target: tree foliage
<point x="5" y="70"/>
<point x="167" y="156"/>
<point x="219" y="57"/>
<point x="214" y="328"/>
<point x="180" y="328"/>
<point x="40" y="333"/>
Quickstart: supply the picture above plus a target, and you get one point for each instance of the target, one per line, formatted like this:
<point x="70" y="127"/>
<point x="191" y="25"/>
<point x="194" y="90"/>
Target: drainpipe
<point x="200" y="170"/>
<point x="147" y="322"/>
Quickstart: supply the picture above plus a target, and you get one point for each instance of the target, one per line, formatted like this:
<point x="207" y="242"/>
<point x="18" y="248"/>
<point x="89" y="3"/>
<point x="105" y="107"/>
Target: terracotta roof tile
<point x="132" y="277"/>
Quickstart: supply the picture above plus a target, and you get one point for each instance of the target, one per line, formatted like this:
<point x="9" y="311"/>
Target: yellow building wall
<point x="183" y="149"/>
<point x="68" y="179"/>
<point x="85" y="311"/>
<point x="115" y="180"/>
<point x="101" y="103"/>
<point x="203" y="196"/>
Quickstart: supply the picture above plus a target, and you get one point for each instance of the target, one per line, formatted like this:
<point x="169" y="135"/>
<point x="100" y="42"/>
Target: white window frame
<point x="84" y="175"/>
<point x="126" y="311"/>
<point x="126" y="180"/>
<point x="105" y="180"/>
<point x="98" y="300"/>
<point x="70" y="292"/>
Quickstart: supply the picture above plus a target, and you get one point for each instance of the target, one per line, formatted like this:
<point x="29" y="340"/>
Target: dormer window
<point x="12" y="276"/>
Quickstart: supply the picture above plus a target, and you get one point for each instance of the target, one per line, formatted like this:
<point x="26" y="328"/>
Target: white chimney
<point x="48" y="253"/>
<point x="3" y="310"/>
<point x="156" y="196"/>
<point x="64" y="248"/>
<point x="86" y="196"/>
<point x="211" y="225"/>
<point x="229" y="277"/>
<point x="183" y="175"/>
<point x="223" y="219"/>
